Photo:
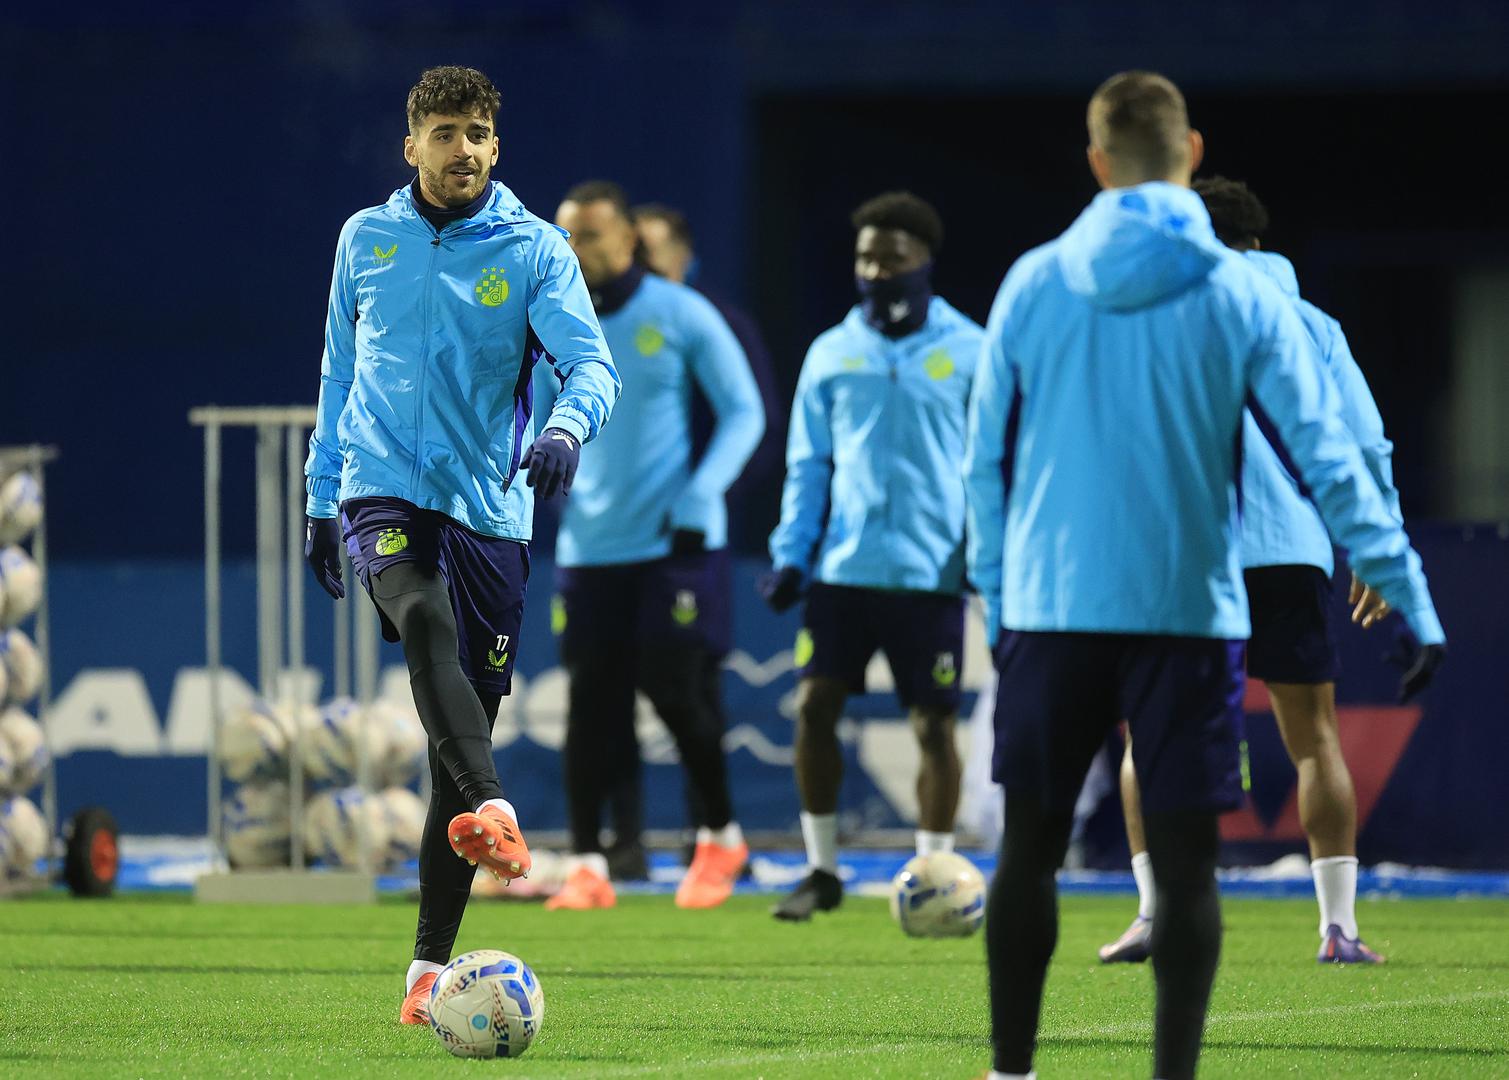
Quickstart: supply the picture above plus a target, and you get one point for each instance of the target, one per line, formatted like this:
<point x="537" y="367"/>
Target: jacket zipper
<point x="890" y="407"/>
<point x="424" y="351"/>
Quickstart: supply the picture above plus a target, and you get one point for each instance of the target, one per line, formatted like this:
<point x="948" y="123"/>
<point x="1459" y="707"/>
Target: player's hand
<point x="322" y="550"/>
<point x="1419" y="668"/>
<point x="1368" y="607"/>
<point x="551" y="462"/>
<point x="687" y="542"/>
<point x="780" y="588"/>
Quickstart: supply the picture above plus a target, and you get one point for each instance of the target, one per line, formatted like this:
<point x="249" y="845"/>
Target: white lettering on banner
<point x="189" y="708"/>
<point x="105" y="709"/>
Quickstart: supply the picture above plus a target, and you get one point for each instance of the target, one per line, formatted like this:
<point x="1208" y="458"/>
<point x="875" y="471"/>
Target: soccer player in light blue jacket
<point x="1103" y="531"/>
<point x="872" y="526"/>
<point x="642" y="572"/>
<point x="442" y="301"/>
<point x="1286" y="567"/>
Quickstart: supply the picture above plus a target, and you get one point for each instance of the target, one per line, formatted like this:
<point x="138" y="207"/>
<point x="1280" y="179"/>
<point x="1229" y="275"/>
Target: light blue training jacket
<point x="874" y="493"/>
<point x="430" y="338"/>
<point x="1280" y="525"/>
<point x="1127" y="348"/>
<point x="637" y="482"/>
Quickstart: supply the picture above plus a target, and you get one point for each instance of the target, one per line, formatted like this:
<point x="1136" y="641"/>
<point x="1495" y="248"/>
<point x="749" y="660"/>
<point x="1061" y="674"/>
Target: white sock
<point x="416" y="969"/>
<point x="1336" y="890"/>
<point x="730" y="836"/>
<point x="820" y="835"/>
<point x="595" y="861"/>
<point x="503" y="805"/>
<point x="1147" y="895"/>
<point x="929" y="842"/>
<point x="993" y="1075"/>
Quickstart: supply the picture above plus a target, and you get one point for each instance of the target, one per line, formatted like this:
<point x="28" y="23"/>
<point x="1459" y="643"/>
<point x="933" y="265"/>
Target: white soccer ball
<point x="486" y="1004"/>
<point x="23" y="664"/>
<point x="256" y="825"/>
<point x="22" y="741"/>
<point x="331" y="743"/>
<point x="341" y="823"/>
<point x="20" y="507"/>
<point x="254" y="743"/>
<point x="398" y="743"/>
<point x="403" y="819"/>
<point x="21" y="585"/>
<point x="23" y="837"/>
<point x="938" y="895"/>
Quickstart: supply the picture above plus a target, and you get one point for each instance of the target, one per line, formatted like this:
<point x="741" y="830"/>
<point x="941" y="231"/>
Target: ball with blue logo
<point x="486" y="1003"/>
<point x="941" y="894"/>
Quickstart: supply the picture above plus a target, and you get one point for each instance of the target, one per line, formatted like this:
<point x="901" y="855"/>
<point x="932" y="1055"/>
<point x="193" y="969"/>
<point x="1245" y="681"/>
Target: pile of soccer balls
<point x="341" y="818"/>
<point x="938" y="895"/>
<point x="23" y="750"/>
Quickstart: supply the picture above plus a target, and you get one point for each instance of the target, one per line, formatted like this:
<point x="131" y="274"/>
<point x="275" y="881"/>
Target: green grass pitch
<point x="162" y="987"/>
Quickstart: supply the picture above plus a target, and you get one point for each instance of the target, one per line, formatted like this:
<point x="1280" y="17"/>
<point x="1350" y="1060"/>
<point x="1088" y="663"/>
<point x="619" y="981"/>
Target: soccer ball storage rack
<point x="86" y="856"/>
<point x="281" y="434"/>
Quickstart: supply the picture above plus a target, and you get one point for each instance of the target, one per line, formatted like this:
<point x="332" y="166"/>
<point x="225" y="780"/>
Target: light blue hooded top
<point x="1103" y="433"/>
<point x="1280" y="525"/>
<point x="637" y="483"/>
<point x="429" y="344"/>
<point x="874" y="493"/>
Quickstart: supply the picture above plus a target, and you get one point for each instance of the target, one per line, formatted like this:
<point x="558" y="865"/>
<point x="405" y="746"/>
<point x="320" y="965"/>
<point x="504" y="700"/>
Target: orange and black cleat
<point x="492" y="840"/>
<point x="416" y="1004"/>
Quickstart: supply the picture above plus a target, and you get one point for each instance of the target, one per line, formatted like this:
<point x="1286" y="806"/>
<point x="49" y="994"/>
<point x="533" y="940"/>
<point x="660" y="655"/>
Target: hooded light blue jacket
<point x="874" y="496"/>
<point x="636" y="483"/>
<point x="1280" y="526"/>
<point x="425" y="388"/>
<point x="1119" y="357"/>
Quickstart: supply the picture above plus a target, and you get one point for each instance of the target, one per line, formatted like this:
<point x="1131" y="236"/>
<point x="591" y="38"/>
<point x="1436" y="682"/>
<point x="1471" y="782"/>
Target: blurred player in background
<point x="642" y="574"/>
<point x="442" y="301"/>
<point x="1103" y="514"/>
<point x="665" y="247"/>
<point x="872" y="526"/>
<point x="1287" y="564"/>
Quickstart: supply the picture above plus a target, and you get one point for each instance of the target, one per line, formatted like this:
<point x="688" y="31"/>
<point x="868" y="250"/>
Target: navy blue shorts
<point x="486" y="576"/>
<point x="1061" y="694"/>
<point x="678" y="600"/>
<point x="922" y="635"/>
<point x="1291" y="625"/>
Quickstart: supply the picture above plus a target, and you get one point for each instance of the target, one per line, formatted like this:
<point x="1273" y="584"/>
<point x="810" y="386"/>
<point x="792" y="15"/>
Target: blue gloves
<point x="1420" y="671"/>
<point x="551" y="462"/>
<point x="322" y="550"/>
<point x="780" y="588"/>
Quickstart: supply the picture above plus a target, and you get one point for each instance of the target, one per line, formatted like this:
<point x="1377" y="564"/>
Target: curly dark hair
<point x="675" y="221"/>
<point x="905" y="211"/>
<point x="453" y="91"/>
<point x="1239" y="216"/>
<point x="591" y="191"/>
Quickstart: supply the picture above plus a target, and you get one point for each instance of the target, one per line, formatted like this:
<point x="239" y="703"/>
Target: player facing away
<point x="1287" y="564"/>
<point x="442" y="301"/>
<point x="872" y="526"/>
<point x="642" y="572"/>
<point x="1102" y="472"/>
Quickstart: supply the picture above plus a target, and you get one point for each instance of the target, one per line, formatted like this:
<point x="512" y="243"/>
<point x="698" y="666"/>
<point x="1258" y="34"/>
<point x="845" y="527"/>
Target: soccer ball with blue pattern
<point x="938" y="895"/>
<point x="486" y="1003"/>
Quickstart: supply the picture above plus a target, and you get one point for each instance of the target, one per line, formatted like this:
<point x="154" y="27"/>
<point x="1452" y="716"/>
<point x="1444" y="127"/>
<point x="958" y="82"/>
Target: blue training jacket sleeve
<point x="322" y="468"/>
<point x="722" y="372"/>
<point x="990" y="402"/>
<point x="560" y="311"/>
<point x="1285" y="376"/>
<point x="809" y="473"/>
<point x="1360" y="413"/>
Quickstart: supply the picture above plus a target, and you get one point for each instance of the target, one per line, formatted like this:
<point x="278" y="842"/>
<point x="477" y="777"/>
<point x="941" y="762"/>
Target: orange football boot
<point x="710" y="879"/>
<point x="584" y="890"/>
<point x="416" y="1005"/>
<point x="492" y="840"/>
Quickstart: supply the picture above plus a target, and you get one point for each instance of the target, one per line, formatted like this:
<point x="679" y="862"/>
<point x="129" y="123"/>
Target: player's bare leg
<point x="1135" y="943"/>
<point x="819" y="774"/>
<point x="1306" y="715"/>
<point x="937" y="779"/>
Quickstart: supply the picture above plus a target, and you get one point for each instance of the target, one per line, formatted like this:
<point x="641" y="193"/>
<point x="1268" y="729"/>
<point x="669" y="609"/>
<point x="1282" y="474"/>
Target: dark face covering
<point x="897" y="306"/>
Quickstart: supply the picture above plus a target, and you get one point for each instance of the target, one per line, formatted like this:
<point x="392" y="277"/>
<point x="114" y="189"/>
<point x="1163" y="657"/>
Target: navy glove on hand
<point x="781" y="588"/>
<point x="322" y="550"/>
<point x="551" y="462"/>
<point x="1419" y="672"/>
<point x="687" y="542"/>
